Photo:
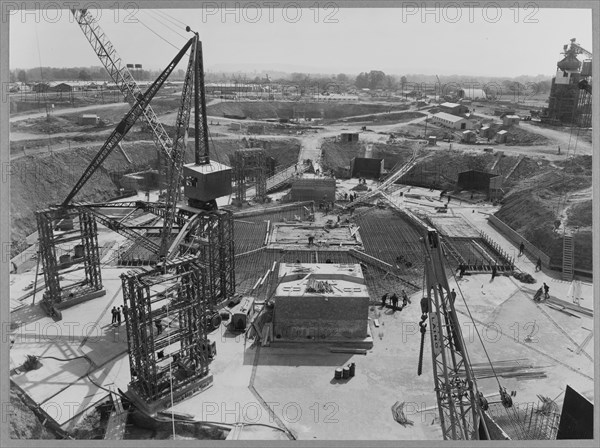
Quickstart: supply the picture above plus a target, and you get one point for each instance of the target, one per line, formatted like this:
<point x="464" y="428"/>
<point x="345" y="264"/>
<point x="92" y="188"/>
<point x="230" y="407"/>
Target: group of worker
<point x="394" y="299"/>
<point x="352" y="196"/>
<point x="116" y="315"/>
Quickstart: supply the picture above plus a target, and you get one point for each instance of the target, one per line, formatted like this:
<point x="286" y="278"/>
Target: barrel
<point x="338" y="374"/>
<point x="78" y="251"/>
<point x="64" y="259"/>
<point x="346" y="373"/>
<point x="352" y="368"/>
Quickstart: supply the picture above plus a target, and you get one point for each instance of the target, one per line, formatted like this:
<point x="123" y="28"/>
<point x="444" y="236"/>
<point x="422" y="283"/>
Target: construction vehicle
<point x="461" y="405"/>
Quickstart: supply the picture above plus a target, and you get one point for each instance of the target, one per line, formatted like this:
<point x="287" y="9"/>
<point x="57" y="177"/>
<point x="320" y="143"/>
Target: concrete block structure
<point x="320" y="302"/>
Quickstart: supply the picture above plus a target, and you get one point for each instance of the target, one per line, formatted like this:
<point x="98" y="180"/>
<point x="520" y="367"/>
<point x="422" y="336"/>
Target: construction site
<point x="189" y="267"/>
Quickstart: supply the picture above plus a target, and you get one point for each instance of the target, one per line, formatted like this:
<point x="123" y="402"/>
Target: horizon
<point x="149" y="37"/>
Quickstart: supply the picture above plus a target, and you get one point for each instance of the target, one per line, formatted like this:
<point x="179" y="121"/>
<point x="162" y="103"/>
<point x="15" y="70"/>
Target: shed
<point x="89" y="119"/>
<point x="501" y="136"/>
<point x="510" y="120"/>
<point x="469" y="137"/>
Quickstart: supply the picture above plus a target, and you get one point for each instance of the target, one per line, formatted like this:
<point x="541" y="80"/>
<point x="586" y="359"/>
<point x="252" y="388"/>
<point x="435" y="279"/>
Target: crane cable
<point x="476" y="330"/>
<point x="153" y="14"/>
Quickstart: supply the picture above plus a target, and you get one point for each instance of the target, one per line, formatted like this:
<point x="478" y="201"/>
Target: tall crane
<point x="141" y="103"/>
<point x="460" y="404"/>
<point x="121" y="76"/>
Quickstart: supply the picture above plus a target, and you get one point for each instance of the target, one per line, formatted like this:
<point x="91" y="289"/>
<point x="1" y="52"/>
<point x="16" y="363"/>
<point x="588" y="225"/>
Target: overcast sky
<point x="445" y="41"/>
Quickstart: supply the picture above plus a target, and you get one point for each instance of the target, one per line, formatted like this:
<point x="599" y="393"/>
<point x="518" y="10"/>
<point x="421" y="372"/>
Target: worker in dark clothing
<point x="114" y="315"/>
<point x="158" y="325"/>
<point x="494" y="272"/>
<point x="384" y="299"/>
<point x="546" y="290"/>
<point x="394" y="301"/>
<point x="452" y="296"/>
<point x="461" y="270"/>
<point x="345" y="196"/>
<point x="521" y="248"/>
<point x="538" y="265"/>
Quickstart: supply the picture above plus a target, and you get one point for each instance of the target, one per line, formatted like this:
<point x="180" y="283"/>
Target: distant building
<point x="468" y="137"/>
<point x="451" y="121"/>
<point x="510" y="120"/>
<point x="485" y="132"/>
<point x="472" y="94"/>
<point x="432" y="140"/>
<point x="89" y="119"/>
<point x="501" y="136"/>
<point x="349" y="137"/>
<point x="454" y="108"/>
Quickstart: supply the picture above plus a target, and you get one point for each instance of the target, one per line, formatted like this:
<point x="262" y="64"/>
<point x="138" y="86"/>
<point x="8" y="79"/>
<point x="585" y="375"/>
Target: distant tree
<point x="13" y="77"/>
<point x="84" y="75"/>
<point x="362" y="81"/>
<point x="376" y="79"/>
<point x="403" y="80"/>
<point x="22" y="76"/>
<point x="390" y="82"/>
<point x="341" y="77"/>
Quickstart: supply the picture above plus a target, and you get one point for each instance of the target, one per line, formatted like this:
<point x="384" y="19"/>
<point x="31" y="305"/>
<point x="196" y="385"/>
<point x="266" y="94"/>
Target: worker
<point x="546" y="290"/>
<point x="311" y="240"/>
<point x="521" y="248"/>
<point x="158" y="324"/>
<point x="538" y="265"/>
<point x="14" y="267"/>
<point x="494" y="272"/>
<point x="394" y="299"/>
<point x="559" y="150"/>
<point x="405" y="297"/>
<point x="118" y="316"/>
<point x="346" y="196"/>
<point x="462" y="268"/>
<point x="114" y="315"/>
<point x="384" y="299"/>
<point x="452" y="296"/>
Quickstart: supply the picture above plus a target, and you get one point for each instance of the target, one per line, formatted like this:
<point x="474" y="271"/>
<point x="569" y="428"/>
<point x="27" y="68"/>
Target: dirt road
<point x="68" y="110"/>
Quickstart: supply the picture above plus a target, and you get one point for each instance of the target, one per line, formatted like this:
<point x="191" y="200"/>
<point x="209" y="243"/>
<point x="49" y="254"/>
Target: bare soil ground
<point x="296" y="109"/>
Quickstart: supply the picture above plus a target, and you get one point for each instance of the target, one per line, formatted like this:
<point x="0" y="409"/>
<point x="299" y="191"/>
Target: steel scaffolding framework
<point x="250" y="163"/>
<point x="79" y="226"/>
<point x="166" y="312"/>
<point x="210" y="238"/>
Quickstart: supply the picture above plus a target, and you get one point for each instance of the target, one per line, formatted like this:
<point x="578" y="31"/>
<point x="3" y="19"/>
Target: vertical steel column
<point x="89" y="240"/>
<point x="45" y="223"/>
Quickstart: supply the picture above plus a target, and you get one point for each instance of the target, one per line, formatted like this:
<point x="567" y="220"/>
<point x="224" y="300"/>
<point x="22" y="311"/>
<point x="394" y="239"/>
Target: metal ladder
<point x="568" y="257"/>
